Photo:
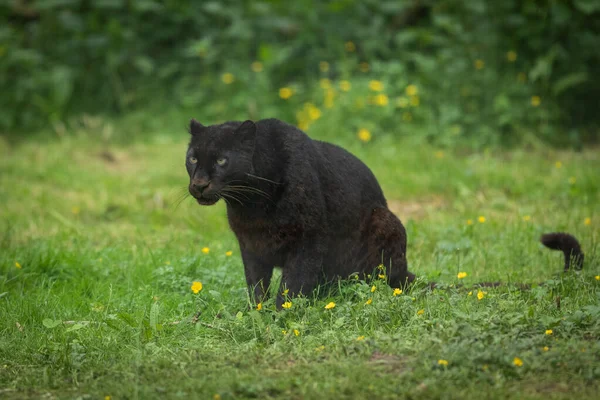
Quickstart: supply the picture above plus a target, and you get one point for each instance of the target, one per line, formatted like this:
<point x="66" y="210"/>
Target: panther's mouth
<point x="208" y="200"/>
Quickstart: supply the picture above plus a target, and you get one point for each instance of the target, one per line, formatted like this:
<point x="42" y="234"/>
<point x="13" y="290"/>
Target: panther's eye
<point x="192" y="160"/>
<point x="221" y="161"/>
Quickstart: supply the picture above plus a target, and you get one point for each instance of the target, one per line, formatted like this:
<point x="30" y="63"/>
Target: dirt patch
<point x="416" y="209"/>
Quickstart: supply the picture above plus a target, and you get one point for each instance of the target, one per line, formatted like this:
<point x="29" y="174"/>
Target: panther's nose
<point x="200" y="184"/>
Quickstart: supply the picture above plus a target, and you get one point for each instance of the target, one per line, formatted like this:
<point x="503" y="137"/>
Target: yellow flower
<point x="17" y="265"/>
<point x="285" y="93"/>
<point x="546" y="348"/>
<point x="217" y="396"/>
<point x="325" y="83"/>
<point x="259" y="307"/>
<point x="381" y="100"/>
<point x="479" y="64"/>
<point x="358" y="339"/>
<point x="558" y="164"/>
<point x="470" y="293"/>
<point x="287" y="305"/>
<point x="439" y="154"/>
<point x="526" y="218"/>
<point x="324" y="66"/>
<point x="572" y="180"/>
<point x="420" y="312"/>
<point x="283" y="332"/>
<point x="480" y="295"/>
<point x="296" y="332"/>
<point x="481" y="219"/>
<point x="461" y="275"/>
<point x="363" y="67"/>
<point x="364" y="135"/>
<point x="330" y="305"/>
<point x="350" y="47"/>
<point x="402" y="102"/>
<point x="415" y="101"/>
<point x="376" y="86"/>
<point x="597" y="277"/>
<point x="228" y="253"/>
<point x="196" y="287"/>
<point x="227" y="78"/>
<point x="536" y="101"/>
<point x="320" y="348"/>
<point x="373" y="288"/>
<point x="205" y="250"/>
<point x="511" y="56"/>
<point x="397" y="292"/>
<point x="548" y="331"/>
<point x="107" y="397"/>
<point x="411" y="90"/>
<point x="381" y="276"/>
<point x="518" y="362"/>
<point x="345" y="86"/>
<point x="443" y="362"/>
<point x="368" y="302"/>
<point x="285" y="292"/>
<point x="381" y="267"/>
<point x="256" y="66"/>
<point x="587" y="221"/>
<point x="469" y="222"/>
<point x="314" y="113"/>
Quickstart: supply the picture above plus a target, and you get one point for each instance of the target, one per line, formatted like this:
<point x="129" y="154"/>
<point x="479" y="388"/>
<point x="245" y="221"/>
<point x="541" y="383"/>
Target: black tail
<point x="568" y="245"/>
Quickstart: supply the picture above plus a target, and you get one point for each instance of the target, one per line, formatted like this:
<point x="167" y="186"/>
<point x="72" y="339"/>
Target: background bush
<point x="477" y="72"/>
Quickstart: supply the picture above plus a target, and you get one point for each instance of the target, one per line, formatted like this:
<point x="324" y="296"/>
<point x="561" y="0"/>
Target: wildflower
<point x="217" y="396"/>
<point x="285" y="93"/>
<point x="420" y="312"/>
<point x="287" y="305"/>
<point x="480" y="295"/>
<point x="296" y="332"/>
<point x="470" y="293"/>
<point x="587" y="221"/>
<point x="259" y="307"/>
<point x="17" y="265"/>
<point x="443" y="362"/>
<point x="376" y="86"/>
<point x="402" y="102"/>
<point x="368" y="302"/>
<point x="558" y="164"/>
<point x="373" y="288"/>
<point x="196" y="287"/>
<point x="381" y="267"/>
<point x="205" y="250"/>
<point x="320" y="348"/>
<point x="469" y="222"/>
<point x="481" y="219"/>
<point x="350" y="47"/>
<point x="597" y="277"/>
<point x="314" y="113"/>
<point x="256" y="66"/>
<point x="415" y="101"/>
<point x="548" y="331"/>
<point x="536" y="101"/>
<point x="330" y="305"/>
<point x="283" y="332"/>
<point x="358" y="339"/>
<point x="227" y="78"/>
<point x="228" y="253"/>
<point x="285" y="292"/>
<point x="461" y="275"/>
<point x="325" y="83"/>
<point x="479" y="64"/>
<point x="518" y="362"/>
<point x="324" y="66"/>
<point x="397" y="292"/>
<point x="411" y="90"/>
<point x="526" y="218"/>
<point x="381" y="100"/>
<point x="363" y="67"/>
<point x="439" y="154"/>
<point x="345" y="86"/>
<point x="381" y="276"/>
<point x="511" y="56"/>
<point x="546" y="348"/>
<point x="107" y="397"/>
<point x="572" y="180"/>
<point x="364" y="135"/>
<point x="406" y="116"/>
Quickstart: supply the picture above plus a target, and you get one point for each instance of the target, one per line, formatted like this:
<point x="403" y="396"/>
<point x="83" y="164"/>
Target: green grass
<point x="102" y="303"/>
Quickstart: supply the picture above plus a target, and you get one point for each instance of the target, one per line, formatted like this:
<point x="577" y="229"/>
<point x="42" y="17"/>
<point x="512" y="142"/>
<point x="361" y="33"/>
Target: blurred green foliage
<point x="477" y="71"/>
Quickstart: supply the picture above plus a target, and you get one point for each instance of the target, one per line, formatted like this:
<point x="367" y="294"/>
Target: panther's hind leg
<point x="386" y="244"/>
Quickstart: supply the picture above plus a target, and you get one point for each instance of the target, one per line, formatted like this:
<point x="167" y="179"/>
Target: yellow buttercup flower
<point x="415" y="101"/>
<point x="205" y="250"/>
<point x="381" y="276"/>
<point x="511" y="56"/>
<point x="227" y="78"/>
<point x="461" y="275"/>
<point x="526" y="218"/>
<point x="283" y="332"/>
<point x="228" y="253"/>
<point x="350" y="47"/>
<point x="397" y="292"/>
<point x="324" y="66"/>
<point x="325" y="83"/>
<point x="480" y="295"/>
<point x="17" y="265"/>
<point x="259" y="307"/>
<point x="376" y="86"/>
<point x="443" y="362"/>
<point x="381" y="100"/>
<point x="546" y="348"/>
<point x="285" y="292"/>
<point x="296" y="332"/>
<point x="287" y="305"/>
<point x="364" y="135"/>
<point x="369" y="301"/>
<point x="536" y="101"/>
<point x="469" y="222"/>
<point x="330" y="305"/>
<point x="196" y="287"/>
<point x="597" y="277"/>
<point x="479" y="64"/>
<point x="518" y="362"/>
<point x="420" y="312"/>
<point x="345" y="86"/>
<point x="373" y="288"/>
<point x="360" y="338"/>
<point x="256" y="66"/>
<point x="481" y="219"/>
<point x="587" y="221"/>
<point x="285" y="93"/>
<point x="411" y="90"/>
<point x="470" y="293"/>
<point x="558" y="164"/>
<point x="548" y="331"/>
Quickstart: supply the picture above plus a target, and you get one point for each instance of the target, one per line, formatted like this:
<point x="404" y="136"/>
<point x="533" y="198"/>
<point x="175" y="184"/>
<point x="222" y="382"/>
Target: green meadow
<point x="100" y="247"/>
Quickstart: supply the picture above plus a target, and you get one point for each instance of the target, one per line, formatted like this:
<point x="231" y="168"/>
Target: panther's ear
<point x="246" y="131"/>
<point x="196" y="127"/>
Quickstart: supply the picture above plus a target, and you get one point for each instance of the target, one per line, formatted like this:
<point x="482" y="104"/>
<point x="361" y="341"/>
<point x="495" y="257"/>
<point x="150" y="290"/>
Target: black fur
<point x="568" y="245"/>
<point x="306" y="206"/>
